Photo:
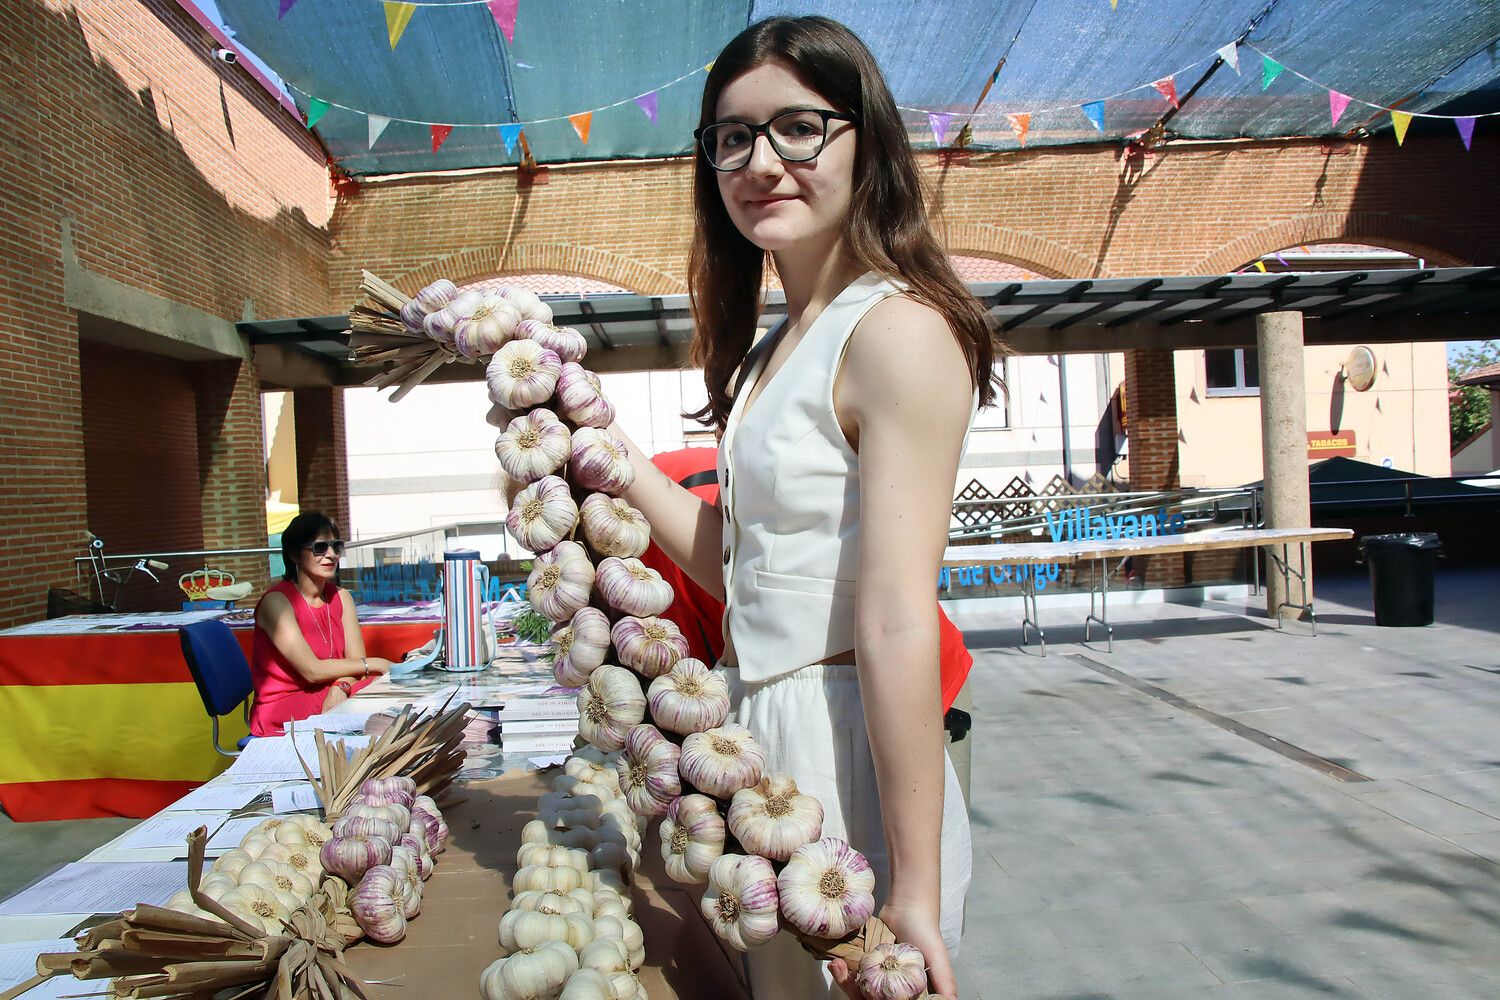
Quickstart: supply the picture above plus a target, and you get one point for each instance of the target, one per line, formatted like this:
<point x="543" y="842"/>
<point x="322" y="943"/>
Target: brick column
<point x="232" y="468"/>
<point x="1151" y="413"/>
<point x="322" y="458"/>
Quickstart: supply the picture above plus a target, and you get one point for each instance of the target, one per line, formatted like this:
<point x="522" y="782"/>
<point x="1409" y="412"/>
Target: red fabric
<point x="281" y="694"/>
<point x="90" y="798"/>
<point x="701" y="616"/>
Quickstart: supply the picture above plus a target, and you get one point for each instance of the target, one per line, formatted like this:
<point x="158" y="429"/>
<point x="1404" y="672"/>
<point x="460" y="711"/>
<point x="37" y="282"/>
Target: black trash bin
<point x="1401" y="576"/>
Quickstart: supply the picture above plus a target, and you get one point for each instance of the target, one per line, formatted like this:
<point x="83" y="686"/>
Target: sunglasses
<point x="321" y="548"/>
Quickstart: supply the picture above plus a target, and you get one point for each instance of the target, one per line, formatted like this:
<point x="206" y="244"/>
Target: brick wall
<point x="322" y="457"/>
<point x="1151" y="414"/>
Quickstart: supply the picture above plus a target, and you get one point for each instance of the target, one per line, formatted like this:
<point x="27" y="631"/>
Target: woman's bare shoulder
<point x="904" y="342"/>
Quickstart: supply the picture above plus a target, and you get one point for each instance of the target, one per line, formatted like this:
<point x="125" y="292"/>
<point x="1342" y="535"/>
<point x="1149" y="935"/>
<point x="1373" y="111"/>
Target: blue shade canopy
<point x="453" y="66"/>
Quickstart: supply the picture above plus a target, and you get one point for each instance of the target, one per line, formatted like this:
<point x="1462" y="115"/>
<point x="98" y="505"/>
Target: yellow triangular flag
<point x="708" y="68"/>
<point x="582" y="122"/>
<point x="1399" y="121"/>
<point x="1114" y="4"/>
<point x="397" y="17"/>
<point x="1260" y="266"/>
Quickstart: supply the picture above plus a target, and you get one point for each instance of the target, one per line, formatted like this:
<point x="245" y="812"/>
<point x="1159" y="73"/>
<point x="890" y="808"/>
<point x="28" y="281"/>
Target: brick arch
<point x="1408" y="234"/>
<point x="1033" y="252"/>
<point x="551" y="258"/>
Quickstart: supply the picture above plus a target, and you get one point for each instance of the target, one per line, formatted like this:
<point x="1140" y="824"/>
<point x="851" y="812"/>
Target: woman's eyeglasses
<point x="320" y="549"/>
<point x="796" y="136"/>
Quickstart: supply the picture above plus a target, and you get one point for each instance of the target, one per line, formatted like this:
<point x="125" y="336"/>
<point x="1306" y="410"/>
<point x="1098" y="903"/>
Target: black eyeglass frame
<point x="700" y="135"/>
<point x="320" y="548"/>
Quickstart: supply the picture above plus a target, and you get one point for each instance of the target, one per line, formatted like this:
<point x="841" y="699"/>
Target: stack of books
<point x="538" y="725"/>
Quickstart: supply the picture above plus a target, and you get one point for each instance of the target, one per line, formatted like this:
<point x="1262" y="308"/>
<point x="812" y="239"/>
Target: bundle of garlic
<point x="274" y="871"/>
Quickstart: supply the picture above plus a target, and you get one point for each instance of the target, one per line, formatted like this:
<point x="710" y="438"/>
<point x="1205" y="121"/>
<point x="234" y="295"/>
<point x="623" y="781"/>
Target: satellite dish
<point x="1360" y="369"/>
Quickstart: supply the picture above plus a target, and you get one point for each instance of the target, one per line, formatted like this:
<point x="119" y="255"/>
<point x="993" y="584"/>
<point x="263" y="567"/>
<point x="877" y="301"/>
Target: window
<point x="1232" y="371"/>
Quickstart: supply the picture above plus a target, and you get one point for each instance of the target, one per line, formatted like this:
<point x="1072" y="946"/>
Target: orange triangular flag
<point x="1020" y="124"/>
<point x="397" y="17"/>
<point x="582" y="122"/>
<point x="1399" y="121"/>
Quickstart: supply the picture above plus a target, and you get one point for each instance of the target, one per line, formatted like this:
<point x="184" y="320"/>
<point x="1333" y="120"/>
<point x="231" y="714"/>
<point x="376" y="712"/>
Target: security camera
<point x="226" y="56"/>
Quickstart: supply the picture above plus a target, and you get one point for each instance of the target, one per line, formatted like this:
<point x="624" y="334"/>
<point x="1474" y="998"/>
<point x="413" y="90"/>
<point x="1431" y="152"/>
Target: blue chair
<point x="220" y="670"/>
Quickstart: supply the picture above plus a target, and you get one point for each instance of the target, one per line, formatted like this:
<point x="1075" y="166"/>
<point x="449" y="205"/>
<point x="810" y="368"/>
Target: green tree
<point x="1469" y="405"/>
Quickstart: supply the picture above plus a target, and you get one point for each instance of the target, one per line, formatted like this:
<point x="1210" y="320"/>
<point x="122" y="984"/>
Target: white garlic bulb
<point x="648" y="771"/>
<point x="600" y="461"/>
<point x="692" y="838"/>
<point x="554" y="902"/>
<point x="530" y="973"/>
<point x="649" y="646"/>
<point x="232" y="862"/>
<point x="628" y="933"/>
<point x="741" y="901"/>
<point x="534" y="445"/>
<point x="579" y="647"/>
<point x="522" y="374"/>
<point x="580" y="397"/>
<point x="543" y="514"/>
<point x="560" y="582"/>
<point x="538" y="832"/>
<point x="610" y="707"/>
<point x="593" y="766"/>
<point x="529" y="928"/>
<point x="527" y="302"/>
<point x="591" y="984"/>
<point x="613" y="527"/>
<point x="773" y="819"/>
<point x="554" y="856"/>
<point x="258" y="905"/>
<point x="630" y="586"/>
<point x="892" y="971"/>
<point x="547" y="879"/>
<point x="689" y="698"/>
<point x="721" y="761"/>
<point x="606" y="954"/>
<point x="566" y="342"/>
<point x="827" y="889"/>
<point x="277" y="877"/>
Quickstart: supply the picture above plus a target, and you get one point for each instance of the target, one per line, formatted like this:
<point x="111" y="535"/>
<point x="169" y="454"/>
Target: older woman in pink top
<point x="308" y="654"/>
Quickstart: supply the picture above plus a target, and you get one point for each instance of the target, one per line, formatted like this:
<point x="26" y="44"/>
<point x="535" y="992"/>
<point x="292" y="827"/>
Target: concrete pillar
<point x="1151" y="426"/>
<point x="322" y="458"/>
<point x="1283" y="422"/>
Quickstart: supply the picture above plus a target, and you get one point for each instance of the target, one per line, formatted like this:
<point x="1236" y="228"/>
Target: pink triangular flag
<point x="647" y="103"/>
<point x="1167" y="87"/>
<point x="1465" y="129"/>
<point x="1020" y="124"/>
<point x="505" y="16"/>
<point x="938" y="122"/>
<point x="439" y="133"/>
<point x="1336" y="104"/>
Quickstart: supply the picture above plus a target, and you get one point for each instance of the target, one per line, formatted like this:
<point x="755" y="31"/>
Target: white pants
<point x="812" y="725"/>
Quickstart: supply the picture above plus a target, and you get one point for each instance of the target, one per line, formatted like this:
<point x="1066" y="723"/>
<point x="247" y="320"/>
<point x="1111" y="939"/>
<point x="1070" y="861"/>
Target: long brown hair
<point x="886" y="229"/>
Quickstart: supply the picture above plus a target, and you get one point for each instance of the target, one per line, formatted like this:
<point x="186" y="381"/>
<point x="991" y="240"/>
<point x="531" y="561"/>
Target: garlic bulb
<point x="553" y="856"/>
<point x="182" y="902"/>
<point x="232" y="862"/>
<point x="315" y="832"/>
<point x="554" y="902"/>
<point x="570" y="785"/>
<point x="534" y="445"/>
<point x="539" y="832"/>
<point x="579" y="647"/>
<point x="610" y="707"/>
<point x="529" y="928"/>
<point x="606" y="954"/>
<point x="368" y="826"/>
<point x="773" y="819"/>
<point x="435" y="296"/>
<point x="416" y="843"/>
<point x="378" y="903"/>
<point x="613" y="527"/>
<point x="442" y="324"/>
<point x="522" y="374"/>
<point x="280" y="830"/>
<point x="395" y="813"/>
<point x="560" y="582"/>
<point x="591" y="984"/>
<point x="214" y="885"/>
<point x="722" y="760"/>
<point x="649" y="646"/>
<point x="426" y="810"/>
<point x="609" y="901"/>
<point x="692" y="838"/>
<point x="527" y="303"/>
<point x="276" y="877"/>
<point x="404" y="861"/>
<point x="628" y="933"/>
<point x="542" y="514"/>
<point x="600" y="461"/>
<point x="827" y="889"/>
<point x="631" y="586"/>
<point x="689" y="698"/>
<point x="892" y="971"/>
<point x="529" y="974"/>
<point x="547" y="879"/>
<point x="486" y="328"/>
<point x="412" y="316"/>
<point x="648" y="771"/>
<point x="257" y="905"/>
<point x="740" y="903"/>
<point x="349" y="857"/>
<point x="591" y="766"/>
<point x="580" y="397"/>
<point x="614" y="856"/>
<point x="566" y="342"/>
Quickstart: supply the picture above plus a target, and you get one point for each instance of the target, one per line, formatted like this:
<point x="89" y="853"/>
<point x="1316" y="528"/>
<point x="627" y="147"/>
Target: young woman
<point x="836" y="463"/>
<point x="307" y="654"/>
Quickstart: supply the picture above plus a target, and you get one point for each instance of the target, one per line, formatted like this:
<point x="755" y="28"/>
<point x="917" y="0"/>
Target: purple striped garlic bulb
<point x="613" y="527"/>
<point x="425" y="810"/>
<point x="395" y="790"/>
<point x="741" y="901"/>
<point x="527" y="302"/>
<point x="580" y="397"/>
<point x="579" y="647"/>
<point x="773" y="819"/>
<point x="567" y="342"/>
<point x="435" y="296"/>
<point x="689" y="698"/>
<point x="522" y="374"/>
<point x="412" y="316"/>
<point x="600" y="461"/>
<point x="543" y="514"/>
<point x="630" y="586"/>
<point x="692" y="838"/>
<point x="721" y="761"/>
<point x="350" y="856"/>
<point x="648" y="771"/>
<point x="649" y="646"/>
<point x="486" y="325"/>
<point x="610" y="707"/>
<point x="534" y="445"/>
<point x="356" y="825"/>
<point x="379" y="904"/>
<point x="442" y="324"/>
<point x="827" y="889"/>
<point x="416" y="843"/>
<point x="892" y="971"/>
<point x="560" y="582"/>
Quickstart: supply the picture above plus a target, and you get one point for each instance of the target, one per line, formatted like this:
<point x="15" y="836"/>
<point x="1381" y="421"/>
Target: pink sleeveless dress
<point x="281" y="695"/>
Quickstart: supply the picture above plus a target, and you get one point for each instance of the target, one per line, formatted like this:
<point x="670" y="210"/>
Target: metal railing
<point x="1198" y="505"/>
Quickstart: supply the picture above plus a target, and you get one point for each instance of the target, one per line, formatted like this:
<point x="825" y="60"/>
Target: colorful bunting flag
<point x="1270" y="69"/>
<point x="1465" y="127"/>
<point x="1260" y="266"/>
<point x="377" y="126"/>
<point x="647" y="103"/>
<point x="508" y="135"/>
<point x="397" y="17"/>
<point x="316" y="109"/>
<point x="1095" y="111"/>
<point x="1231" y="55"/>
<point x="439" y="133"/>
<point x="504" y="12"/>
<point x="938" y="121"/>
<point x="283" y="7"/>
<point x="1336" y="104"/>
<point x="1167" y="87"/>
<point x="1283" y="260"/>
<point x="1400" y="120"/>
<point x="582" y="122"/>
<point x="1020" y="124"/>
<point x="1114" y="4"/>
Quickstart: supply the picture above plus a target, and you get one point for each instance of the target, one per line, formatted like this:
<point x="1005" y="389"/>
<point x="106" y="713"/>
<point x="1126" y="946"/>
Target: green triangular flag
<point x="316" y="109"/>
<point x="1270" y="70"/>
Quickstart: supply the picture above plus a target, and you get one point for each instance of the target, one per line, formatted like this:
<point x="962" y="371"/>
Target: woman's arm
<point x="905" y="393"/>
<point x="277" y="619"/>
<point x="354" y="639"/>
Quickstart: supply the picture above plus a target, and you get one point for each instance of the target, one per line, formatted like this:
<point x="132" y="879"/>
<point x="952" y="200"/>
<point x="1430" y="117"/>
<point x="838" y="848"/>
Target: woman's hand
<point x="376" y="666"/>
<point x="913" y="926"/>
<point x="336" y="696"/>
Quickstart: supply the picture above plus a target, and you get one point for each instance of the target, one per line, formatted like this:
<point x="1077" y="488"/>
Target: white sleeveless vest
<point x="789" y="483"/>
